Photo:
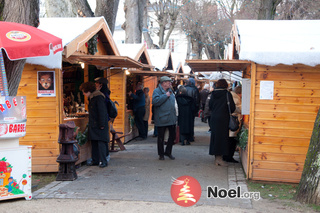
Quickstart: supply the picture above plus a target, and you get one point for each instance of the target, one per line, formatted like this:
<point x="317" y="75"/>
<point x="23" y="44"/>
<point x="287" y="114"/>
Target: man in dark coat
<point x="193" y="92"/>
<point x="203" y="98"/>
<point x="219" y="121"/>
<point x="139" y="110"/>
<point x="98" y="131"/>
<point x="186" y="110"/>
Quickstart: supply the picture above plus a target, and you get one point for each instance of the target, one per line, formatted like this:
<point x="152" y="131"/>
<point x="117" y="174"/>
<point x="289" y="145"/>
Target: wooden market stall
<point x="130" y="77"/>
<point x="82" y="37"/>
<point x="284" y="93"/>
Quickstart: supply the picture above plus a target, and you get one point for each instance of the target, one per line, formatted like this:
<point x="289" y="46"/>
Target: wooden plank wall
<point x="118" y="93"/>
<point x="151" y="82"/>
<point x="42" y="121"/>
<point x="283" y="126"/>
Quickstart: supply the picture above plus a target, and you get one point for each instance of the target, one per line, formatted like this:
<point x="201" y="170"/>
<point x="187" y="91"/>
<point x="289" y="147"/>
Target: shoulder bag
<point x="234" y="123"/>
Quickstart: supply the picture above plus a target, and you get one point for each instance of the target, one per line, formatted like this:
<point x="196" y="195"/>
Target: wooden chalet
<point x="125" y="79"/>
<point x="80" y="37"/>
<point x="281" y="93"/>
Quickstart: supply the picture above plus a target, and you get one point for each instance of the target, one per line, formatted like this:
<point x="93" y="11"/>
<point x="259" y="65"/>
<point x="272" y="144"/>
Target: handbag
<point x="234" y="123"/>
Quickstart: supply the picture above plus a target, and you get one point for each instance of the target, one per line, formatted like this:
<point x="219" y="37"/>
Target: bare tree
<point x="24" y="12"/>
<point x="68" y="8"/>
<point x="134" y="10"/>
<point x="146" y="29"/>
<point x="108" y="9"/>
<point x="267" y="10"/>
<point x="81" y="8"/>
<point x="166" y="13"/>
<point x="207" y="25"/>
<point x="308" y="189"/>
<point x="298" y="9"/>
<point x="60" y="8"/>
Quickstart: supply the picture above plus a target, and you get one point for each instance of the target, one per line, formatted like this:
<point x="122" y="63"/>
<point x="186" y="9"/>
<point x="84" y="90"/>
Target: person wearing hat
<point x="98" y="131"/>
<point x="102" y="86"/>
<point x="165" y="117"/>
<point x="139" y="102"/>
<point x="193" y="92"/>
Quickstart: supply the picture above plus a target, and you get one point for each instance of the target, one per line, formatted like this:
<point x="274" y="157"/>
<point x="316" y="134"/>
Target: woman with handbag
<point x="236" y="94"/>
<point x="219" y="121"/>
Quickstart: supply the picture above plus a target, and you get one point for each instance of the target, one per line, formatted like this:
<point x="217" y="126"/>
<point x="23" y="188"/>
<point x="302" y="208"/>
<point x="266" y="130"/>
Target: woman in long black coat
<point x="98" y="131"/>
<point x="219" y="121"/>
<point x="186" y="108"/>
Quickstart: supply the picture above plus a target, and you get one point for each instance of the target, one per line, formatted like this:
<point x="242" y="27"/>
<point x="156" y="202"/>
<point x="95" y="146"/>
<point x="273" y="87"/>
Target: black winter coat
<point x="219" y="121"/>
<point x="186" y="110"/>
<point x="98" y="117"/>
<point x="203" y="96"/>
<point x="193" y="92"/>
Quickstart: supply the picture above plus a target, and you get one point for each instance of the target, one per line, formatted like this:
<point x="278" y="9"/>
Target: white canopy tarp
<point x="65" y="28"/>
<point x="272" y="42"/>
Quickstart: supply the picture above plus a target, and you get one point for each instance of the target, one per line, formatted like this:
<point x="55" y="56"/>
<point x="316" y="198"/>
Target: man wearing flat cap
<point x="165" y="117"/>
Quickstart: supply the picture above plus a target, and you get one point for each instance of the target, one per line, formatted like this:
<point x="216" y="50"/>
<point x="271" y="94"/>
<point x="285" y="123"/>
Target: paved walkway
<point x="136" y="174"/>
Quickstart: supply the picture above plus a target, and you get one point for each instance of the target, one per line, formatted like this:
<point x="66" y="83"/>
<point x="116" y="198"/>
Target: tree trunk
<point x="196" y="49"/>
<point x="189" y="48"/>
<point x="134" y="18"/>
<point x="309" y="188"/>
<point x="146" y="35"/>
<point x="82" y="8"/>
<point x="25" y="12"/>
<point x="108" y="9"/>
<point x="60" y="8"/>
<point x="173" y="20"/>
<point x="267" y="9"/>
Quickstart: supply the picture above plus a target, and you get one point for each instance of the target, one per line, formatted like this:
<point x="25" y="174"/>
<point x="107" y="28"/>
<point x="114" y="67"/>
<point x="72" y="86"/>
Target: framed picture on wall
<point x="46" y="84"/>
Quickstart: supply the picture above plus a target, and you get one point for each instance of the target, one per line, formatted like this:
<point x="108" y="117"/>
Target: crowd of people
<point x="213" y="105"/>
<point x="170" y="109"/>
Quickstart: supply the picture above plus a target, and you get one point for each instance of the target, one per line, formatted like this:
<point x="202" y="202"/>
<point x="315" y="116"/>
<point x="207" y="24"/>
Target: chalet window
<point x="171" y="45"/>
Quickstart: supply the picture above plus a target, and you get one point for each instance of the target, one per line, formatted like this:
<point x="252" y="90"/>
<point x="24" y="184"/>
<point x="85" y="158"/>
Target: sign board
<point x="46" y="84"/>
<point x="13" y="116"/>
<point x="266" y="90"/>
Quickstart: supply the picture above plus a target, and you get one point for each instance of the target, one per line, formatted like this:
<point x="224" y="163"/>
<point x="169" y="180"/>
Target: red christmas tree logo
<point x="185" y="191"/>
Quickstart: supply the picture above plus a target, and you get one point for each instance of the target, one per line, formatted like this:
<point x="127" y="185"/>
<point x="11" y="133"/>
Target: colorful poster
<point x="46" y="84"/>
<point x="15" y="173"/>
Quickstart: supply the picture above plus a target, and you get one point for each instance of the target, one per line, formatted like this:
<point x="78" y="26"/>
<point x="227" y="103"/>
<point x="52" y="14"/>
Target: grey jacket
<point x="164" y="107"/>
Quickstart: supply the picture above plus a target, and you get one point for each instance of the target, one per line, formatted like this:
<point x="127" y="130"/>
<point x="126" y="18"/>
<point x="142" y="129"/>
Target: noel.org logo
<point x="185" y="191"/>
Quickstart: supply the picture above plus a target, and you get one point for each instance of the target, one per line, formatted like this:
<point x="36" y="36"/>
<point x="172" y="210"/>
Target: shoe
<point x="232" y="160"/>
<point x="170" y="156"/>
<point x="161" y="157"/>
<point x="219" y="162"/>
<point x="188" y="143"/>
<point x="92" y="164"/>
<point x="140" y="139"/>
<point x="102" y="165"/>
